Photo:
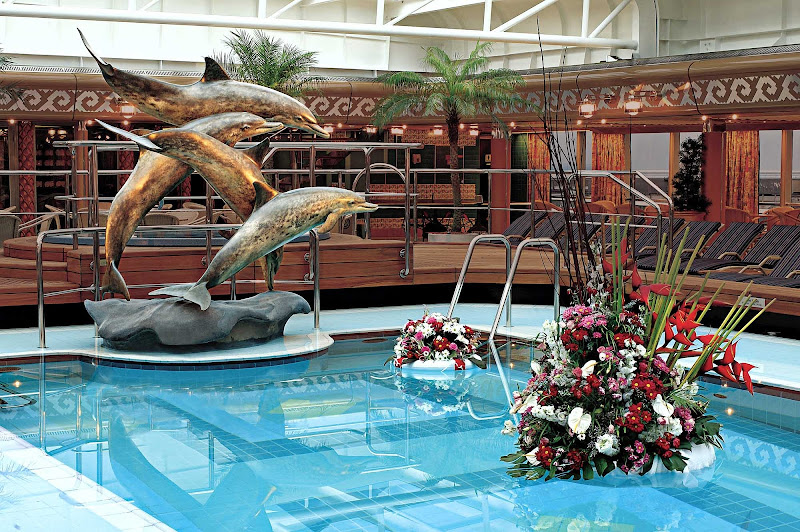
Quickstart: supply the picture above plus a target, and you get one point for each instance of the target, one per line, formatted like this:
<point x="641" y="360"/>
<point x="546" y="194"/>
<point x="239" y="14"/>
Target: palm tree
<point x="256" y="57"/>
<point x="458" y="89"/>
<point x="9" y="90"/>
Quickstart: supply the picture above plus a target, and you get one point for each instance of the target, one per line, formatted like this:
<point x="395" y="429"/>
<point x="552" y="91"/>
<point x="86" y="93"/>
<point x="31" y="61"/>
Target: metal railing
<point x="311" y="278"/>
<point x="506" y="297"/>
<point x="470" y="250"/>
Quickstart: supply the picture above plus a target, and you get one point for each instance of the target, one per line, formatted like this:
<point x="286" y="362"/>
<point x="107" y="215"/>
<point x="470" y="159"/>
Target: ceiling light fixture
<point x="587" y="108"/>
<point x="397" y="131"/>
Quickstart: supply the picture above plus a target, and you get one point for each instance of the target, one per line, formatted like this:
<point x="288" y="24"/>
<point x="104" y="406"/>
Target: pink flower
<point x="639" y="446"/>
<point x="576" y="372"/>
<point x="453" y="347"/>
<point x="597" y="335"/>
<point x="419" y="336"/>
<point x="426" y="349"/>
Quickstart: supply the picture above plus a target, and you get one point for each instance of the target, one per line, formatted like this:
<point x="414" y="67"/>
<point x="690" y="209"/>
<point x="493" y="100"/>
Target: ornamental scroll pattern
<point x="759" y="89"/>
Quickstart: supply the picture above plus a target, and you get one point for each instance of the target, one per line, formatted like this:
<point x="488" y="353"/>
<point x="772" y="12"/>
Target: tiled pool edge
<point x="75" y="489"/>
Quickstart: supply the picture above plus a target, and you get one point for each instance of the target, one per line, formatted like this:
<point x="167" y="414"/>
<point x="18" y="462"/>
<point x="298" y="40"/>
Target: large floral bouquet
<point x="611" y="391"/>
<point x="436" y="337"/>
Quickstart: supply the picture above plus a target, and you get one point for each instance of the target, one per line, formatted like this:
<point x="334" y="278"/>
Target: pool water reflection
<point x="340" y="442"/>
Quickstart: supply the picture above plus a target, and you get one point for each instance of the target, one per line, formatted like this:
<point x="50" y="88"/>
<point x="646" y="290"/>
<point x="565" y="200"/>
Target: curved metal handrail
<point x="664" y="195"/>
<point x="468" y="257"/>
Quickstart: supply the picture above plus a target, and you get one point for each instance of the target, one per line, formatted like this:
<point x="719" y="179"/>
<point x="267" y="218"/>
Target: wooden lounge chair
<point x="647" y="243"/>
<point x="593" y="224"/>
<point x="694" y="232"/>
<point x="521" y="227"/>
<point x="768" y="249"/>
<point x="551" y="226"/>
<point x="731" y="243"/>
<point x="157" y="218"/>
<point x="786" y="272"/>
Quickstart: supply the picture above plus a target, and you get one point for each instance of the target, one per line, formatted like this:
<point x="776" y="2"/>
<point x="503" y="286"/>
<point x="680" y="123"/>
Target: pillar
<point x="674" y="159"/>
<point x="80" y="188"/>
<point x="787" y="155"/>
<point x="126" y="160"/>
<point x="26" y="135"/>
<point x="715" y="179"/>
<point x="13" y="164"/>
<point x="500" y="192"/>
<point x="580" y="150"/>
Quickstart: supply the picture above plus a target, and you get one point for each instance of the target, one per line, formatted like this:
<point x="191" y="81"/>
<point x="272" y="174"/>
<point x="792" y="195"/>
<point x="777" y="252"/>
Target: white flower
<point x="661" y="407"/>
<point x="694" y="388"/>
<point x="508" y="428"/>
<point x="674" y="426"/>
<point x="578" y="421"/>
<point x="535" y="367"/>
<point x="588" y="368"/>
<point x="607" y="444"/>
<point x="531" y="456"/>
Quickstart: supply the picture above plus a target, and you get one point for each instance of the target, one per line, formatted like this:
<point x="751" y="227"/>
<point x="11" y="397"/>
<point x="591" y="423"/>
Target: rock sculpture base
<point x="142" y="323"/>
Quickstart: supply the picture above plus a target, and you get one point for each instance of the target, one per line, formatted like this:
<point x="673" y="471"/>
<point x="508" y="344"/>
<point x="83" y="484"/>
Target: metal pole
<point x="313" y="239"/>
<point x="312" y="164"/>
<point x="510" y="281"/>
<point x="407" y="220"/>
<point x="95" y="210"/>
<point x="40" y="289"/>
<point x="367" y="159"/>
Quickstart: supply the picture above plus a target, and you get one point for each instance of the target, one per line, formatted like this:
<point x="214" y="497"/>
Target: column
<point x="715" y="176"/>
<point x="500" y="192"/>
<point x="674" y="159"/>
<point x="787" y="156"/>
<point x="580" y="150"/>
<point x="26" y="147"/>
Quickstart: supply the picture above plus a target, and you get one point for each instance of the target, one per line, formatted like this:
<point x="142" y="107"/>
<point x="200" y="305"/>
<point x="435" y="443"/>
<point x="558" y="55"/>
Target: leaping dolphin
<point x="269" y="227"/>
<point x="154" y="176"/>
<point x="231" y="173"/>
<point x="214" y="93"/>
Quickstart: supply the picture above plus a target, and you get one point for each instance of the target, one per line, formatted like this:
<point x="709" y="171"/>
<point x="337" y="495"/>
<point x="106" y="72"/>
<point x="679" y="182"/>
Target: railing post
<point x="40" y="289"/>
<point x="95" y="222"/>
<point x="313" y="239"/>
<point x="407" y="221"/>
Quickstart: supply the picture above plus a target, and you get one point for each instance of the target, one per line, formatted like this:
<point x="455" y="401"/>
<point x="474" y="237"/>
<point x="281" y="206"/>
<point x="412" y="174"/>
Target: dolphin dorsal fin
<point x="141" y="131"/>
<point x="264" y="193"/>
<point x="105" y="68"/>
<point x="258" y="152"/>
<point x="143" y="142"/>
<point x="214" y="72"/>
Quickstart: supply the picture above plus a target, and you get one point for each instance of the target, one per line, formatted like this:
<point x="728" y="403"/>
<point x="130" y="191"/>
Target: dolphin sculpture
<point x="230" y="172"/>
<point x="271" y="225"/>
<point x="214" y="93"/>
<point x="154" y="176"/>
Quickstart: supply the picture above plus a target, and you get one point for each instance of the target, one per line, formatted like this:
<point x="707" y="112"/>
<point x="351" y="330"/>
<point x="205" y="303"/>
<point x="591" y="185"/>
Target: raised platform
<point x="346" y="262"/>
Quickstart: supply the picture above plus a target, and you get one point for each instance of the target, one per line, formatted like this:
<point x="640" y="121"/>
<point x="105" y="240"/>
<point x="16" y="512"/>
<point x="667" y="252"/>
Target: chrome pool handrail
<point x="505" y="298"/>
<point x="468" y="257"/>
<point x="312" y="277"/>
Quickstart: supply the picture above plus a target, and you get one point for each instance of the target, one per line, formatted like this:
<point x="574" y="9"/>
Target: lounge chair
<point x="786" y="272"/>
<point x="768" y="249"/>
<point x="9" y="227"/>
<point x="592" y="224"/>
<point x="694" y="232"/>
<point x="551" y="226"/>
<point x="647" y="243"/>
<point x="731" y="243"/>
<point x="521" y="227"/>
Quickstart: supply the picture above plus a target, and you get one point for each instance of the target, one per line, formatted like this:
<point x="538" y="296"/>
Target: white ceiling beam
<point x="348" y="28"/>
<point x="443" y="5"/>
<point x="150" y="4"/>
<point x="611" y="16"/>
<point x="587" y="5"/>
<point x="525" y="15"/>
<point x="408" y="12"/>
<point x="285" y="8"/>
<point x="379" y="11"/>
<point x="262" y="9"/>
<point x="487" y="15"/>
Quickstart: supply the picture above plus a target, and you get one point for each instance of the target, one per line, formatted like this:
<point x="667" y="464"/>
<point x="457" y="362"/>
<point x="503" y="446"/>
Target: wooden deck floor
<point x="346" y="262"/>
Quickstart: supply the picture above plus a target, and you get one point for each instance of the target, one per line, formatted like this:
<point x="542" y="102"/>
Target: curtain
<point x="126" y="160"/>
<point x="608" y="153"/>
<point x="741" y="162"/>
<point x="538" y="159"/>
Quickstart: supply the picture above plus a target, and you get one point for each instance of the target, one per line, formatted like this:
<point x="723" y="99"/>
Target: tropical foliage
<point x="616" y="387"/>
<point x="688" y="181"/>
<point x="256" y="57"/>
<point x="6" y="89"/>
<point x="457" y="89"/>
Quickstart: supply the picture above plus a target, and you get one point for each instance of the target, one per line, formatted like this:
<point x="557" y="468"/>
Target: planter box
<point x="452" y="237"/>
<point x="691" y="216"/>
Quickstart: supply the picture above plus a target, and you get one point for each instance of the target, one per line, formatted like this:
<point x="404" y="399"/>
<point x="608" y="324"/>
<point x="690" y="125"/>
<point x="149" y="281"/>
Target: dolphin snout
<point x="366" y="207"/>
<point x="268" y="127"/>
<point x="316" y="128"/>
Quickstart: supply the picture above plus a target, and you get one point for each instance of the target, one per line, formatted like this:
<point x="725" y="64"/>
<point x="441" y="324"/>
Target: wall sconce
<point x="438" y="131"/>
<point x="328" y="128"/>
<point x="371" y="130"/>
<point x="587" y="108"/>
<point x="633" y="106"/>
<point x="474" y="132"/>
<point x="397" y="131"/>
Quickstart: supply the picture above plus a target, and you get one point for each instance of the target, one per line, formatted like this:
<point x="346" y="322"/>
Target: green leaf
<point x="648" y="466"/>
<point x="588" y="472"/>
<point x="510" y="457"/>
<point x="677" y="462"/>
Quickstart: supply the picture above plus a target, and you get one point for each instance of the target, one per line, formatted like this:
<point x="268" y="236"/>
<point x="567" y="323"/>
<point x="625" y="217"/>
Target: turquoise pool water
<point x="340" y="442"/>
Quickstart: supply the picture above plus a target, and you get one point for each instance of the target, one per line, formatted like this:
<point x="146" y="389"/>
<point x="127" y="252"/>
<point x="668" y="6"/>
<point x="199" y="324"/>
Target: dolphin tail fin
<point x="197" y="293"/>
<point x="264" y="193"/>
<point x="106" y="68"/>
<point x="258" y="153"/>
<point x="113" y="282"/>
<point x="144" y="142"/>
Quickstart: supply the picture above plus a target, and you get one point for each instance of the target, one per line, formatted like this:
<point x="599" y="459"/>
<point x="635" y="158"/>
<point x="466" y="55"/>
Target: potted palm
<point x="456" y="89"/>
<point x="688" y="198"/>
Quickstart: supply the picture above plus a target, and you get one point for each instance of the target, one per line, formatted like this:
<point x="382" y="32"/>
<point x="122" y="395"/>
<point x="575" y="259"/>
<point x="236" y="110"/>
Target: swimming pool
<point x="341" y="442"/>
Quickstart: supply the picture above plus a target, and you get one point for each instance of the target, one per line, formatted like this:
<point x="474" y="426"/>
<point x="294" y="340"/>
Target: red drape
<point x="608" y="153"/>
<point x="742" y="169"/>
<point x="27" y="161"/>
<point x="538" y="159"/>
<point x="126" y="160"/>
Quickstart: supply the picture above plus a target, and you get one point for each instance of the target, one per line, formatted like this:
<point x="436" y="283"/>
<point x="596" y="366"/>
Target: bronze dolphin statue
<point x="154" y="176"/>
<point x="271" y="226"/>
<point x="231" y="173"/>
<point x="214" y="93"/>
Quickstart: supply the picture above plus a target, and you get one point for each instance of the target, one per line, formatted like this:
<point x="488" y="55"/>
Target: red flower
<point x="545" y="455"/>
<point x="575" y="459"/>
<point x="580" y="334"/>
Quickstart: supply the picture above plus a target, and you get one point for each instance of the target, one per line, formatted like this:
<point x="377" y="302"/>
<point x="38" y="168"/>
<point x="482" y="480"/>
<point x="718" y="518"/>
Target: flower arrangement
<point x="436" y="337"/>
<point x="612" y="389"/>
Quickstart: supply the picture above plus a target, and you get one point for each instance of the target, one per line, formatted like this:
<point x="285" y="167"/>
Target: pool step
<point x="16" y="268"/>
